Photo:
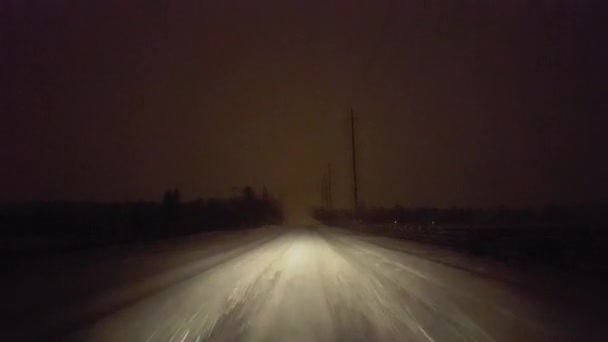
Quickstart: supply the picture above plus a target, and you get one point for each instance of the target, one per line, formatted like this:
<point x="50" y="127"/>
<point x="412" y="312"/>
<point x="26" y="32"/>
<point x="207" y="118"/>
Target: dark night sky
<point x="458" y="102"/>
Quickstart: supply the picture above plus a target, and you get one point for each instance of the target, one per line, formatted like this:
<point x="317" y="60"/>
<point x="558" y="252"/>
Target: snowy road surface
<point x="283" y="284"/>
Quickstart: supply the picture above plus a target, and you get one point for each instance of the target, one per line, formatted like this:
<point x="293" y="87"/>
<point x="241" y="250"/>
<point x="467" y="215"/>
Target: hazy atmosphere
<point x="459" y="104"/>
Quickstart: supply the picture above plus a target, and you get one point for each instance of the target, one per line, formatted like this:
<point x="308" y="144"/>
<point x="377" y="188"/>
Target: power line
<point x="374" y="50"/>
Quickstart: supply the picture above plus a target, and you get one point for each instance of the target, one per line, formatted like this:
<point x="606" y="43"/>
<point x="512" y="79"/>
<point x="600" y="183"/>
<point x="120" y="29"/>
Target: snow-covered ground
<point x="285" y="284"/>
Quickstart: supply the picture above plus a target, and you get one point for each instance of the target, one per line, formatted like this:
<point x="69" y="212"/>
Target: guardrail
<point x="562" y="246"/>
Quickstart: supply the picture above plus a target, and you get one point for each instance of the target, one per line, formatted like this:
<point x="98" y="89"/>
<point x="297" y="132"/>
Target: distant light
<point x="395" y="221"/>
<point x="432" y="222"/>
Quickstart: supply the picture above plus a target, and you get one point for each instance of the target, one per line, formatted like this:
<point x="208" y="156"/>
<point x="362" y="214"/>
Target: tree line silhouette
<point x="96" y="222"/>
<point x="508" y="216"/>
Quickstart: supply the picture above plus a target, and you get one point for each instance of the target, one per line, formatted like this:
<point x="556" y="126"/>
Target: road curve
<point x="323" y="284"/>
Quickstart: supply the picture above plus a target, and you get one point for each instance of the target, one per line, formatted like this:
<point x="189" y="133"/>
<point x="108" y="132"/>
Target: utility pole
<point x="324" y="191"/>
<point x="352" y="127"/>
<point x="329" y="197"/>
